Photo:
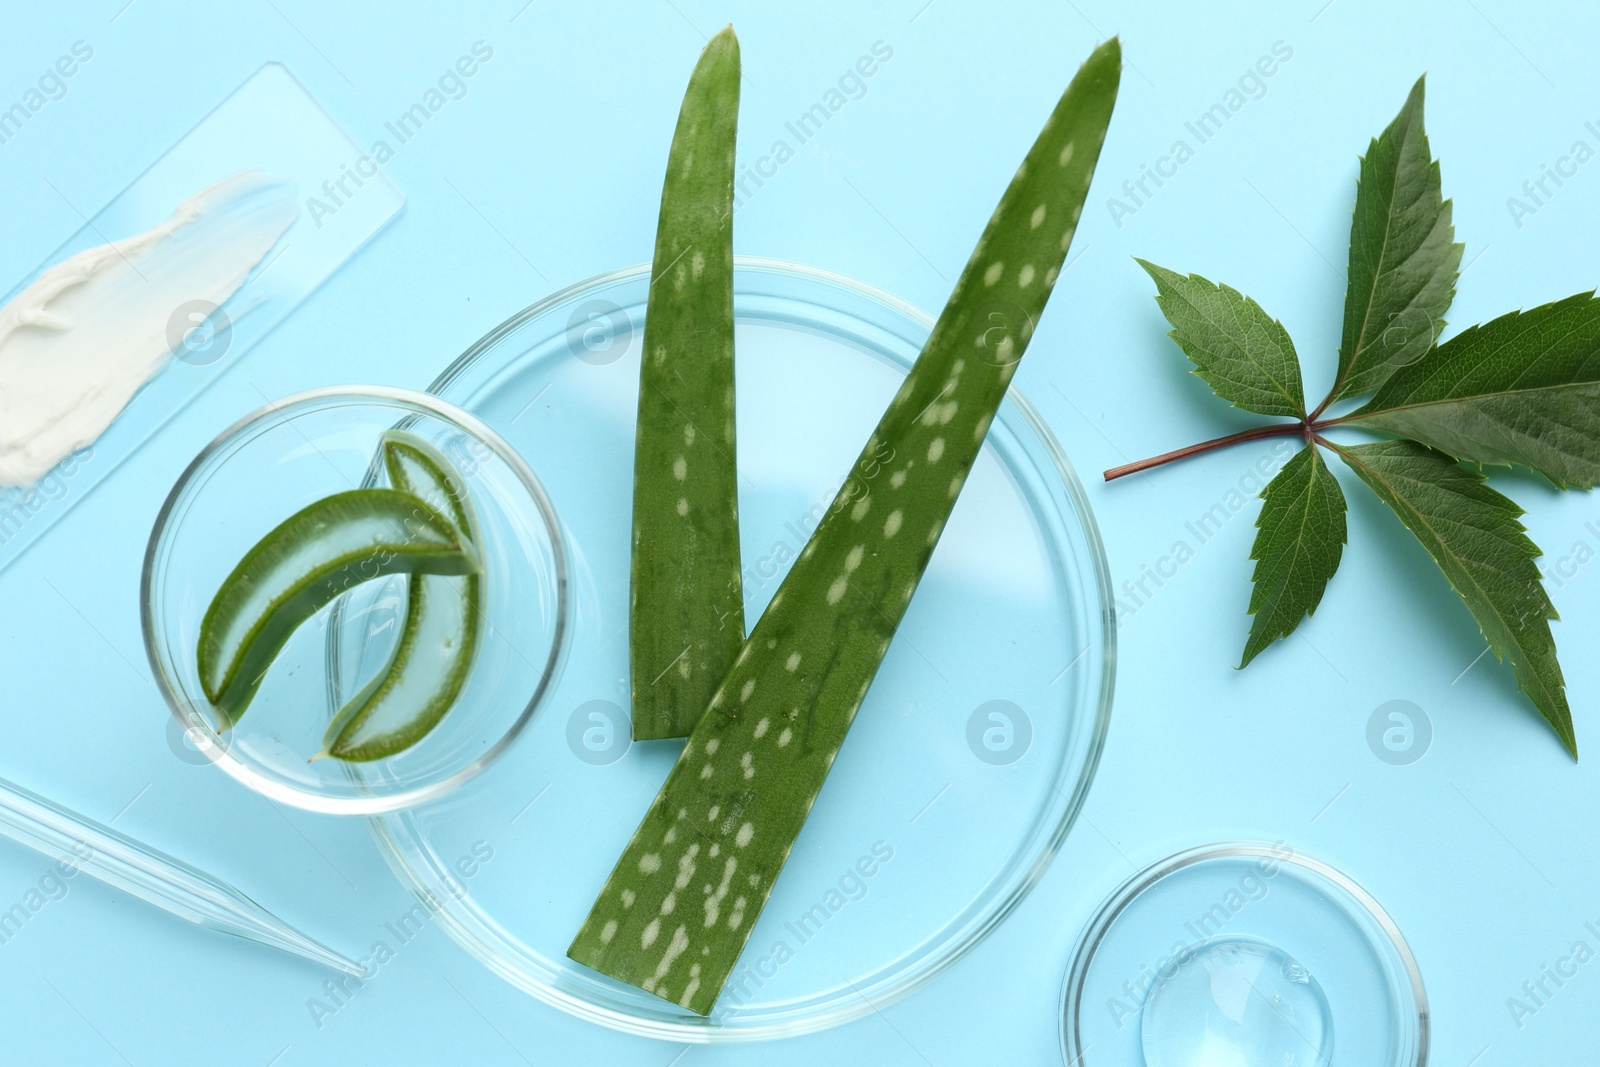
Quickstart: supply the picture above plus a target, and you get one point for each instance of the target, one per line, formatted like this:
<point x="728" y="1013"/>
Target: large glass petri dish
<point x="967" y="764"/>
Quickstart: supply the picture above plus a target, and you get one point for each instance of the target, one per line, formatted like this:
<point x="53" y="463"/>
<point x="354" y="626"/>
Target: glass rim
<point x="1094" y="932"/>
<point x="968" y="937"/>
<point x="206" y="737"/>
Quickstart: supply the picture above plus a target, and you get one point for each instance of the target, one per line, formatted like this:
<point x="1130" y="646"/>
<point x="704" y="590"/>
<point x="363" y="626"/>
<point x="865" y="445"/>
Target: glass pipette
<point x="151" y="875"/>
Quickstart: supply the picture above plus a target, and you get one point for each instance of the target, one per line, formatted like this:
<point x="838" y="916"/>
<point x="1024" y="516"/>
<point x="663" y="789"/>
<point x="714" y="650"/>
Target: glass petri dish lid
<point x="1244" y="953"/>
<point x="966" y="765"/>
<point x="267" y="467"/>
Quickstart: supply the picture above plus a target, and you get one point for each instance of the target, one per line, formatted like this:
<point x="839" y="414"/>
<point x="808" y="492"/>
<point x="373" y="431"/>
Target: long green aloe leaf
<point x="686" y="616"/>
<point x="680" y="904"/>
<point x="438" y="635"/>
<point x="302" y="565"/>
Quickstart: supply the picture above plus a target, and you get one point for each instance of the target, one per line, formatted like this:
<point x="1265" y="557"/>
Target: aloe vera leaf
<point x="303" y="564"/>
<point x="686" y="615"/>
<point x="676" y="911"/>
<point x="439" y="634"/>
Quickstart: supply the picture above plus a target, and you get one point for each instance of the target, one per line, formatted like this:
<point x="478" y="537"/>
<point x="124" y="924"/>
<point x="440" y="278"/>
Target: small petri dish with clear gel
<point x="1243" y="954"/>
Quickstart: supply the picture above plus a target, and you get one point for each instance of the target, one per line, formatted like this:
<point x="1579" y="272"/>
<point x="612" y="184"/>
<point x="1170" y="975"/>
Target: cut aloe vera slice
<point x="680" y="904"/>
<point x="439" y="635"/>
<point x="308" y="560"/>
<point x="686" y="615"/>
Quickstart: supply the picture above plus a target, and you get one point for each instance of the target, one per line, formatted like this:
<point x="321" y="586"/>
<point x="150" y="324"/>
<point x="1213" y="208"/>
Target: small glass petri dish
<point x="965" y="767"/>
<point x="1244" y="953"/>
<point x="265" y="468"/>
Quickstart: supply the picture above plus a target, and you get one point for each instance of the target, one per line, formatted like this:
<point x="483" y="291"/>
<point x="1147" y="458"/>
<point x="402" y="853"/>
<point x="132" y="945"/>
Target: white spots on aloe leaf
<point x="686" y="867"/>
<point x="755" y="880"/>
<point x="948" y="411"/>
<point x="608" y="931"/>
<point x="650" y="863"/>
<point x="772" y="643"/>
<point x="891" y="525"/>
<point x="711" y="816"/>
<point x="712" y="745"/>
<point x="670" y="836"/>
<point x="697" y="264"/>
<point x="683" y="507"/>
<point x="852" y="560"/>
<point x="714" y="899"/>
<point x="652" y="930"/>
<point x="1025" y="275"/>
<point x="791" y="665"/>
<point x="785" y="737"/>
<point x="680" y="468"/>
<point x="628" y="897"/>
<point x="675" y="947"/>
<point x="955" y="486"/>
<point x="1037" y="218"/>
<point x="684" y="668"/>
<point x="705" y="772"/>
<point x="747" y="764"/>
<point x="859" y="512"/>
<point x="766" y="724"/>
<point x="746" y="832"/>
<point x="1066" y="238"/>
<point x="836" y="590"/>
<point x="1065" y="156"/>
<point x="897" y="479"/>
<point x="661" y="354"/>
<point x="992" y="275"/>
<point x="936" y="450"/>
<point x="982" y="428"/>
<point x="669" y="902"/>
<point x="747" y="691"/>
<point x="1051" y="275"/>
<point x="714" y="851"/>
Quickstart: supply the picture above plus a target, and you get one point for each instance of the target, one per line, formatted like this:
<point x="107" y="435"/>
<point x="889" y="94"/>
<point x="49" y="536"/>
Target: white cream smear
<point x="89" y="332"/>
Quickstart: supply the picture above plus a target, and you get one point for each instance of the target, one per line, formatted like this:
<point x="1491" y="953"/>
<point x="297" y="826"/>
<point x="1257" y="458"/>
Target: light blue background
<point x="548" y="172"/>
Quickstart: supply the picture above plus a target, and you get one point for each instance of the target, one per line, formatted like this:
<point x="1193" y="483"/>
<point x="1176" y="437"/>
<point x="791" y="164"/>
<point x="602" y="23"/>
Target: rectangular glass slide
<point x="269" y="124"/>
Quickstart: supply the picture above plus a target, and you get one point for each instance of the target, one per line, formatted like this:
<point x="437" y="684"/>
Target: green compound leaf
<point x="1403" y="258"/>
<point x="1521" y="389"/>
<point x="1473" y="534"/>
<point x="1300" y="537"/>
<point x="678" y="908"/>
<point x="1244" y="354"/>
<point x="686" y="615"/>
